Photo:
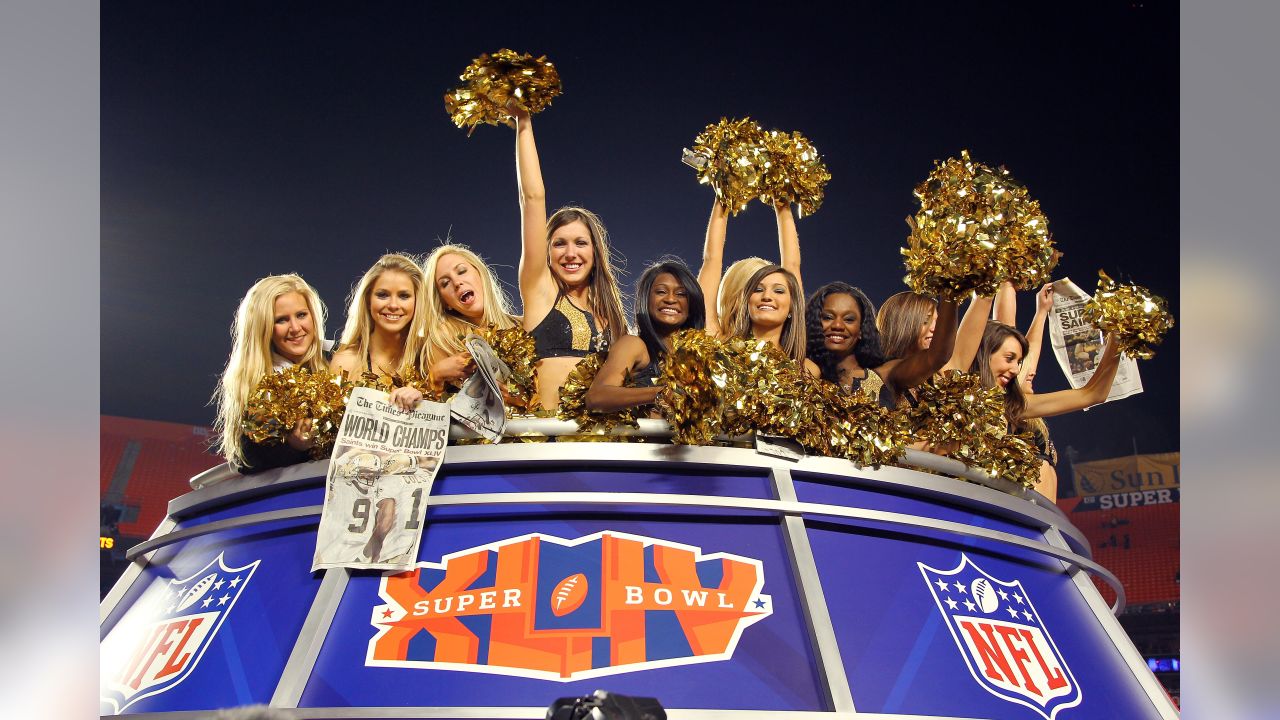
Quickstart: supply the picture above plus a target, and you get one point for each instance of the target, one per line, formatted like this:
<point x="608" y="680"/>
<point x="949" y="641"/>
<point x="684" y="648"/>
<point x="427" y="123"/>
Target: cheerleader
<point x="727" y="292"/>
<point x="385" y="327"/>
<point x="999" y="361"/>
<point x="279" y="324"/>
<point x="462" y="295"/>
<point x="910" y="324"/>
<point x="571" y="302"/>
<point x="773" y="310"/>
<point x="667" y="299"/>
<point x="1005" y="312"/>
<point x="844" y="343"/>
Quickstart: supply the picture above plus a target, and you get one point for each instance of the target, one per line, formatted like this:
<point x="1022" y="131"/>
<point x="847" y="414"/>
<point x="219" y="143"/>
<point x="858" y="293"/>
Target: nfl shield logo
<point x="160" y="641"/>
<point x="1002" y="638"/>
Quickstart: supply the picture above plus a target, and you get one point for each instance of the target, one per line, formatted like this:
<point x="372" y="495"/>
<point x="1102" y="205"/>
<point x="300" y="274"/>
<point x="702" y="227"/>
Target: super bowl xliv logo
<point x="164" y="635"/>
<point x="1002" y="638"/>
<point x="539" y="606"/>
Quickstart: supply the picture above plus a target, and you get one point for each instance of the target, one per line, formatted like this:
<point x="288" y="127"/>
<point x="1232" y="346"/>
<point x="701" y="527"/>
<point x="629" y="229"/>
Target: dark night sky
<point x="245" y="139"/>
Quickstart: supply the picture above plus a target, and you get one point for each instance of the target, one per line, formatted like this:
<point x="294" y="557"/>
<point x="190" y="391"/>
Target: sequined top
<point x="873" y="386"/>
<point x="566" y="331"/>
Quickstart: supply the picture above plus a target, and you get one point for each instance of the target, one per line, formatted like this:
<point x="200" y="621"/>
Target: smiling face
<point x="925" y="338"/>
<point x="293" y="329"/>
<point x="770" y="301"/>
<point x="668" y="301"/>
<point x="571" y="253"/>
<point x="841" y="323"/>
<point x="1006" y="361"/>
<point x="460" y="286"/>
<point x="391" y="301"/>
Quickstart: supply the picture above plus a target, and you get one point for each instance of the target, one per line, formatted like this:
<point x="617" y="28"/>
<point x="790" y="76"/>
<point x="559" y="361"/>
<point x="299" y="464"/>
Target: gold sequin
<point x="582" y="336"/>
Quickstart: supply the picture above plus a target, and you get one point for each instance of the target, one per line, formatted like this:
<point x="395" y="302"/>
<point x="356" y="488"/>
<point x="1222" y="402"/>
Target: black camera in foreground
<point x="602" y="705"/>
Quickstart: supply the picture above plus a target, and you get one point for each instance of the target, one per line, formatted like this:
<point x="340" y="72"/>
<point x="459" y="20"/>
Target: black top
<point x="566" y="331"/>
<point x="646" y="376"/>
<point x="259" y="457"/>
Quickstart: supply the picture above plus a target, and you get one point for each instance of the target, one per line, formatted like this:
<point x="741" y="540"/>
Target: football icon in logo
<point x="196" y="591"/>
<point x="569" y="594"/>
<point x="985" y="595"/>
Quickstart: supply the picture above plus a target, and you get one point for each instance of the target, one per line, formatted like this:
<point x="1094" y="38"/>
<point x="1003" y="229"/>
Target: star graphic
<point x="1017" y="597"/>
<point x="759" y="603"/>
<point x="1003" y="595"/>
<point x="1012" y="613"/>
<point x="218" y="585"/>
<point x="942" y="584"/>
<point x="236" y="581"/>
<point x="387" y="613"/>
<point x="207" y="601"/>
<point x="1026" y="614"/>
<point x="223" y="600"/>
<point x="951" y="604"/>
<point x="969" y="606"/>
<point x="960" y="588"/>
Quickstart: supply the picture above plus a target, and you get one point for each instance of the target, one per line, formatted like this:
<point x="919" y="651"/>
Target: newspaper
<point x="479" y="404"/>
<point x="1078" y="345"/>
<point x="380" y="474"/>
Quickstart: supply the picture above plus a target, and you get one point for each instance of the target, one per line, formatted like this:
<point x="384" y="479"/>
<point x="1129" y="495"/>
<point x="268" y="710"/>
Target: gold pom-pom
<point x="573" y="400"/>
<point x="282" y="399"/>
<point x="693" y="379"/>
<point x="765" y="391"/>
<point x="516" y="348"/>
<point x="491" y="80"/>
<point x="731" y="157"/>
<point x="1009" y="456"/>
<point x="854" y="426"/>
<point x="1135" y="317"/>
<point x="795" y="172"/>
<point x="953" y="409"/>
<point x="976" y="227"/>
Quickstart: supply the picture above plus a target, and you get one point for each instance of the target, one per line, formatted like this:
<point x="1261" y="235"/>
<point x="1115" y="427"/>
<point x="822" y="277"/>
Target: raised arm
<point x="917" y="367"/>
<point x="607" y="392"/>
<point x="713" y="265"/>
<point x="537" y="287"/>
<point x="1006" y="308"/>
<point x="969" y="336"/>
<point x="788" y="240"/>
<point x="1093" y="392"/>
<point x="1035" y="334"/>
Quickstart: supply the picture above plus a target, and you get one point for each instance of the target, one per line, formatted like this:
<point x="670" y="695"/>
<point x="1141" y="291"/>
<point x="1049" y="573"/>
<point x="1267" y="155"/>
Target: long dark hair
<point x="867" y="350"/>
<point x="1015" y="403"/>
<point x="697" y="318"/>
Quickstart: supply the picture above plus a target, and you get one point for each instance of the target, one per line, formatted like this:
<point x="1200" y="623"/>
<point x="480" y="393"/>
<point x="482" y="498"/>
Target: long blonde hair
<point x="446" y="328"/>
<point x="250" y="359"/>
<point x="730" y="301"/>
<point x="606" y="300"/>
<point x="900" y="320"/>
<point x="793" y="331"/>
<point x="359" y="328"/>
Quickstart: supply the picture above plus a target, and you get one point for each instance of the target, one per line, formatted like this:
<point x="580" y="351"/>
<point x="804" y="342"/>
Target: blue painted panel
<point x="898" y="646"/>
<point x="812" y="488"/>
<point x="268" y="590"/>
<point x="772" y="667"/>
<point x="309" y="494"/>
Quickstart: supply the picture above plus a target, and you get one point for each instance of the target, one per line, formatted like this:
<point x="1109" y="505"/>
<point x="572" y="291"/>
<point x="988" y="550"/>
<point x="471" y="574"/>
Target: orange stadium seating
<point x="1139" y="544"/>
<point x="167" y="455"/>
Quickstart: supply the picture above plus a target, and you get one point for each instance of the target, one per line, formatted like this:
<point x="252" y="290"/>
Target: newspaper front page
<point x="1077" y="345"/>
<point x="379" y="482"/>
<point x="479" y="404"/>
